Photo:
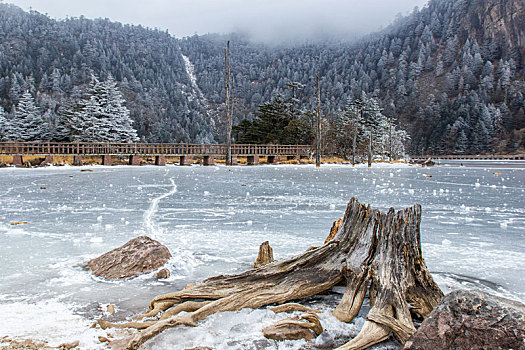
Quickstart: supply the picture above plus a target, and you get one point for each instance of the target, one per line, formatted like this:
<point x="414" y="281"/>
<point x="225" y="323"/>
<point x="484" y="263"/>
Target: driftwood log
<point x="371" y="251"/>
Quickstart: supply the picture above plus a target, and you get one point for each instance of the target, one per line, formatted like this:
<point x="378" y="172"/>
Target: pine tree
<point x="461" y="145"/>
<point x="349" y="131"/>
<point x="99" y="117"/>
<point x="77" y="117"/>
<point x="121" y="129"/>
<point x="4" y="124"/>
<point x="27" y="123"/>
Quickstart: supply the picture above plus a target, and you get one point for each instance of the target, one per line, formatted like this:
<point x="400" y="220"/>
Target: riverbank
<point x="36" y="161"/>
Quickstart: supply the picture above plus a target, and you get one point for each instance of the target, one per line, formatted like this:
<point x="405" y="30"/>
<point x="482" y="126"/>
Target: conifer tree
<point x="121" y="129"/>
<point x="4" y="124"/>
<point x="100" y="116"/>
<point x="27" y="123"/>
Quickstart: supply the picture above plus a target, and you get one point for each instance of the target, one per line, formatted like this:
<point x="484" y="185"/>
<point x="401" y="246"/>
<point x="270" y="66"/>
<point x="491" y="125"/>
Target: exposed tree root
<point x="305" y="327"/>
<point x="375" y="251"/>
<point x="290" y="307"/>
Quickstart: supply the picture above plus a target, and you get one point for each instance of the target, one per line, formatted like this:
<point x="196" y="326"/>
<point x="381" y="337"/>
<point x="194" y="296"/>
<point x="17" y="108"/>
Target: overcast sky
<point x="262" y="18"/>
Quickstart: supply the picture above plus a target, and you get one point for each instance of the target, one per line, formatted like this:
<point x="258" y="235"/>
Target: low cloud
<point x="264" y="19"/>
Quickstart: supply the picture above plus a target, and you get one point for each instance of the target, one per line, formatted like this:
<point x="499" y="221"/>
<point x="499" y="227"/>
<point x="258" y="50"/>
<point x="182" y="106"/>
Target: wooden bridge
<point x="159" y="150"/>
<point x="470" y="157"/>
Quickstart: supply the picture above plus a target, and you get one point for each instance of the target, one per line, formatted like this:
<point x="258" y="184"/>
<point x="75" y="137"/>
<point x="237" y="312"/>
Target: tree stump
<point x="372" y="251"/>
<point x="265" y="255"/>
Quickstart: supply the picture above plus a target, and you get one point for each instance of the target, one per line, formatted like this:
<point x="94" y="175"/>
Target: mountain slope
<point x="54" y="59"/>
<point x="451" y="74"/>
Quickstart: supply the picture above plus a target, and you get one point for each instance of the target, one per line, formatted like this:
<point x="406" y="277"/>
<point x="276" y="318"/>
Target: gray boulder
<point x="472" y="320"/>
<point x="139" y="256"/>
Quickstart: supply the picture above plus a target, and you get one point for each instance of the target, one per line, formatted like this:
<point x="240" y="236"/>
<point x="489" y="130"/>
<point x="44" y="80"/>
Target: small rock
<point x="66" y="346"/>
<point x="465" y="320"/>
<point x="429" y="162"/>
<point x="111" y="308"/>
<point x="103" y="339"/>
<point x="164" y="273"/>
<point x="139" y="256"/>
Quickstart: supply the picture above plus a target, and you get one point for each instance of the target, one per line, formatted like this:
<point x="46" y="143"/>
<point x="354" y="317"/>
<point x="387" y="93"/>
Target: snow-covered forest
<point x="450" y="74"/>
<point x="99" y="116"/>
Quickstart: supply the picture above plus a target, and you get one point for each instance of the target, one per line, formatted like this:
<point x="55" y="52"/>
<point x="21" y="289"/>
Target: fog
<point x="266" y="20"/>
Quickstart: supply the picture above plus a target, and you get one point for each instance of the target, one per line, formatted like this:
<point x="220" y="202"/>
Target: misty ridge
<point x="450" y="73"/>
<point x="263" y="21"/>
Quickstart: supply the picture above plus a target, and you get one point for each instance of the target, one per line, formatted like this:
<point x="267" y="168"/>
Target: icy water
<point x="213" y="220"/>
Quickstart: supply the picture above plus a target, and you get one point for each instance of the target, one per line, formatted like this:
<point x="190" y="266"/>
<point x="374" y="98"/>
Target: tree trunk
<point x="370" y="150"/>
<point x="372" y="251"/>
<point x="353" y="147"/>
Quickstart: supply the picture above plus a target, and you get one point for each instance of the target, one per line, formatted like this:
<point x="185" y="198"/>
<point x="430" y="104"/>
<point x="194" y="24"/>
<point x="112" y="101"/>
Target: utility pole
<point x="228" y="110"/>
<point x="318" y="126"/>
<point x="370" y="150"/>
<point x="358" y="117"/>
<point x="390" y="138"/>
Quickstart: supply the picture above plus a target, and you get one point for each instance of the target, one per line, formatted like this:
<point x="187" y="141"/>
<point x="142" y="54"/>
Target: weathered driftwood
<point x="375" y="251"/>
<point x="290" y="307"/>
<point x="265" y="255"/>
<point x="305" y="327"/>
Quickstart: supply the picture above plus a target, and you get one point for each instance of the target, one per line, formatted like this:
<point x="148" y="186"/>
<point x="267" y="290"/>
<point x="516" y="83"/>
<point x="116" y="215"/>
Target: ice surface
<point x="213" y="220"/>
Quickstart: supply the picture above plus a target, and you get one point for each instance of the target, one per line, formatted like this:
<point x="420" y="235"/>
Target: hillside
<point x="54" y="60"/>
<point x="452" y="73"/>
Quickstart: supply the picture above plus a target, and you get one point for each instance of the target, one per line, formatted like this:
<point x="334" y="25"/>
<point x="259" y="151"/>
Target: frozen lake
<point x="213" y="220"/>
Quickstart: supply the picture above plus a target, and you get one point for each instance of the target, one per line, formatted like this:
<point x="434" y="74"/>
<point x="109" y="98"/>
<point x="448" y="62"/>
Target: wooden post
<point x="253" y="160"/>
<point x="353" y="147"/>
<point x="160" y="160"/>
<point x="134" y="160"/>
<point x="17" y="159"/>
<point x="228" y="111"/>
<point x="185" y="160"/>
<point x="370" y="150"/>
<point x="273" y="159"/>
<point x="208" y="160"/>
<point x="106" y="159"/>
<point x="318" y="126"/>
<point x="77" y="160"/>
<point x="390" y="138"/>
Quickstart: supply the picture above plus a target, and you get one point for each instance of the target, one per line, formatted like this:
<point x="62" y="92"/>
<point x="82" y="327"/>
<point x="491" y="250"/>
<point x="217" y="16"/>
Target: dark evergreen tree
<point x="27" y="123"/>
<point x="4" y="126"/>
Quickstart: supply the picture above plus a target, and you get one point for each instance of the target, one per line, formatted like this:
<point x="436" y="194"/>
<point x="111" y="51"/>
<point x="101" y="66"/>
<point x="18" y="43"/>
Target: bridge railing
<point x="470" y="157"/>
<point x="167" y="149"/>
